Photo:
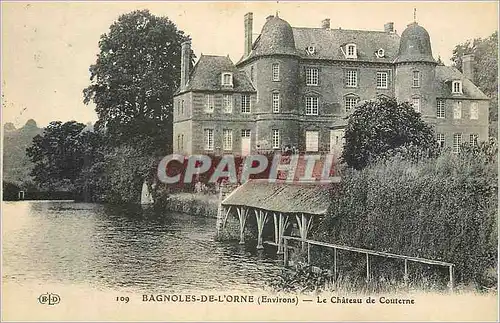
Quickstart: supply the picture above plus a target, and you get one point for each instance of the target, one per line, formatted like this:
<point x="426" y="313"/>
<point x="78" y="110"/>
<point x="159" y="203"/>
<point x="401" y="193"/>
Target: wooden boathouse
<point x="279" y="202"/>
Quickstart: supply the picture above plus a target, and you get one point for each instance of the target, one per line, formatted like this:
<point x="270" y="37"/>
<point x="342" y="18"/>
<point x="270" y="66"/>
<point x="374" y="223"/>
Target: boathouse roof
<point x="280" y="196"/>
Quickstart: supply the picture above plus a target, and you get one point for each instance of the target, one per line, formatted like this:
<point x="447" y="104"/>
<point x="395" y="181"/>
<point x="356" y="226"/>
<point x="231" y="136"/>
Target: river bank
<point x="197" y="204"/>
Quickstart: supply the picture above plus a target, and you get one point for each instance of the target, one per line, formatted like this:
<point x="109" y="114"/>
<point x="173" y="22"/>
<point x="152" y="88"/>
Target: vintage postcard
<point x="249" y="161"/>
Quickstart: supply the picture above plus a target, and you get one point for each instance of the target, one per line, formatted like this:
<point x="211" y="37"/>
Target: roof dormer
<point x="351" y="51"/>
<point x="227" y="79"/>
<point x="456" y="87"/>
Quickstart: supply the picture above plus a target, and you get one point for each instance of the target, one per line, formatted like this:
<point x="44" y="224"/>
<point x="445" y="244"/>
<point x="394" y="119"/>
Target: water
<point x="111" y="248"/>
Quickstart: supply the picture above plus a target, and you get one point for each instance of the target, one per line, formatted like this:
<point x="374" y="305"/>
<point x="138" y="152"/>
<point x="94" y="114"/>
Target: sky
<point x="47" y="47"/>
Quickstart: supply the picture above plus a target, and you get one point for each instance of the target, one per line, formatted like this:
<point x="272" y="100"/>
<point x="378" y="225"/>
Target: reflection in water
<point x="110" y="247"/>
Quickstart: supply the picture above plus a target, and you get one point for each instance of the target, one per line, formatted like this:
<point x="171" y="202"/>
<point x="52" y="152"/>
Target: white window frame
<point x="208" y="136"/>
<point x="276" y="140"/>
<point x="276" y="102"/>
<point x="457" y="142"/>
<point x="416" y="104"/>
<point x="351" y="51"/>
<point x="441" y="139"/>
<point x="457" y="110"/>
<point x="310" y="145"/>
<point x="382" y="80"/>
<point x="474" y="139"/>
<point x="227" y="103"/>
<point x="312" y="76"/>
<point x="440" y="109"/>
<point x="246" y="104"/>
<point x="227" y="139"/>
<point x="210" y="103"/>
<point x="230" y="83"/>
<point x="312" y="105"/>
<point x="456" y="87"/>
<point x="351" y="78"/>
<point x="350" y="103"/>
<point x="246" y="133"/>
<point x="415" y="79"/>
<point x="474" y="111"/>
<point x="276" y="72"/>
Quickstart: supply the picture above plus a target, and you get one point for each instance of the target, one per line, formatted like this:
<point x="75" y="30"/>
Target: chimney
<point x="389" y="27"/>
<point x="325" y="23"/>
<point x="185" y="62"/>
<point x="468" y="66"/>
<point x="248" y="33"/>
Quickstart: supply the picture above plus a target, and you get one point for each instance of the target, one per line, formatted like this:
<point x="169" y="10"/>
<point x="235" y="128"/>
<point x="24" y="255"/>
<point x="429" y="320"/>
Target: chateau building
<point x="294" y="87"/>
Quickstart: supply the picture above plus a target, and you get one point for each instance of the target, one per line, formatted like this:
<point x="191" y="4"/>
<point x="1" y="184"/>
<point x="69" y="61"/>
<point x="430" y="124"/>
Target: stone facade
<point x="301" y="83"/>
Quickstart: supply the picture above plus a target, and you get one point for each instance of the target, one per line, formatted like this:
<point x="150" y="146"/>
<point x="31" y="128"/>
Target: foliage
<point x="443" y="208"/>
<point x="10" y="191"/>
<point x="134" y="79"/>
<point x="302" y="280"/>
<point x="485" y="70"/>
<point x="377" y="127"/>
<point x="58" y="155"/>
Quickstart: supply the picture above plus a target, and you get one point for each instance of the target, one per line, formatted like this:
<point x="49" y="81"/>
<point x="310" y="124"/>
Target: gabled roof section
<point x="445" y="75"/>
<point x="279" y="196"/>
<point x="327" y="43"/>
<point x="207" y="74"/>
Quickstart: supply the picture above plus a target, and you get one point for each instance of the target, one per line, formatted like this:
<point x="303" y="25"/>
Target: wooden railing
<point x="368" y="252"/>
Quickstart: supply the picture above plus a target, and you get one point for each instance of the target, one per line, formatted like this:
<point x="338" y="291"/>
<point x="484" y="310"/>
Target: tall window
<point x="440" y="139"/>
<point x="416" y="79"/>
<point x="382" y="80"/>
<point x="457" y="110"/>
<point x="456" y="87"/>
<point x="415" y="102"/>
<point x="276" y="102"/>
<point x="312" y="140"/>
<point x="457" y="141"/>
<point x="440" y="111"/>
<point x="276" y="138"/>
<point x="473" y="139"/>
<point x="251" y="73"/>
<point x="312" y="105"/>
<point x="351" y="78"/>
<point x="245" y="103"/>
<point x="227" y="139"/>
<point x="350" y="103"/>
<point x="209" y="139"/>
<point x="210" y="104"/>
<point x="474" y="111"/>
<point x="312" y="76"/>
<point x="227" y="102"/>
<point x="276" y="72"/>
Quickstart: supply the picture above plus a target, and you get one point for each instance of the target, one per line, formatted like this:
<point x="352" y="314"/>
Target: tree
<point x="378" y="127"/>
<point x="485" y="70"/>
<point x="133" y="81"/>
<point x="59" y="155"/>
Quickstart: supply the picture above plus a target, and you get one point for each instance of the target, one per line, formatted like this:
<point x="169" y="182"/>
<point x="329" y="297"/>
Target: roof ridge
<point x="342" y="29"/>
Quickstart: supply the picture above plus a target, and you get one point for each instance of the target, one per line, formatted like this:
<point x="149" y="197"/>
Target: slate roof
<point x="206" y="76"/>
<point x="328" y="43"/>
<point x="445" y="75"/>
<point x="311" y="198"/>
<point x="415" y="45"/>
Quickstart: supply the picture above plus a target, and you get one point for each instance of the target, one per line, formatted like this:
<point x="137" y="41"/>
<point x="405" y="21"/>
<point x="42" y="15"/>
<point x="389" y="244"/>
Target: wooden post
<point x="334" y="264"/>
<point x="308" y="254"/>
<point x="283" y="222"/>
<point x="367" y="267"/>
<point x="451" y="278"/>
<point x="261" y="217"/>
<point x="285" y="251"/>
<point x="406" y="272"/>
<point x="242" y="215"/>
<point x="276" y="229"/>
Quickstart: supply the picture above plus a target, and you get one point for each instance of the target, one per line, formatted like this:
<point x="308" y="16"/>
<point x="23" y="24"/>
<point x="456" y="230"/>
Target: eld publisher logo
<point x="49" y="299"/>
